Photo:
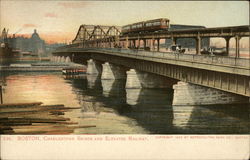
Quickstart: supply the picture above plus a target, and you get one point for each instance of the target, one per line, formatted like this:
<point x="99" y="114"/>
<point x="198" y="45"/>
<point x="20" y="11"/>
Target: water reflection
<point x="112" y="87"/>
<point x="224" y="119"/>
<point x="151" y="111"/>
<point x="100" y="110"/>
<point x="111" y="109"/>
<point x="132" y="95"/>
<point x="151" y="108"/>
<point x="49" y="88"/>
<point x="93" y="81"/>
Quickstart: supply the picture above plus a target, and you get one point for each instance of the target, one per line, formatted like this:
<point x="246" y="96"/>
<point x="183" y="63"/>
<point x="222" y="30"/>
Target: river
<point x="113" y="109"/>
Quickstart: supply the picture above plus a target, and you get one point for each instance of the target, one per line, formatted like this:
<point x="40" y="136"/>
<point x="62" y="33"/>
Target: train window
<point x="148" y="24"/>
<point x="125" y="27"/>
<point x="133" y="26"/>
<point x="157" y="23"/>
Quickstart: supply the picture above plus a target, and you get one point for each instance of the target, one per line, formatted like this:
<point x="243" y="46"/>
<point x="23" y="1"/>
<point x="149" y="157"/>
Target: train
<point x="160" y="24"/>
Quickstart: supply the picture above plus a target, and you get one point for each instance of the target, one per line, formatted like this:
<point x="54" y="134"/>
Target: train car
<point x="156" y="24"/>
<point x="126" y="29"/>
<point x="137" y="27"/>
<point x="147" y="26"/>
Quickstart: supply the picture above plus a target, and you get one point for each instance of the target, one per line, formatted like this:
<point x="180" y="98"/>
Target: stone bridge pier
<point x="56" y="59"/>
<point x="112" y="72"/>
<point x="137" y="80"/>
<point x="192" y="94"/>
<point x="113" y="79"/>
<point x="67" y="59"/>
<point x="53" y="58"/>
<point x="94" y="70"/>
<point x="94" y="67"/>
<point x="62" y="59"/>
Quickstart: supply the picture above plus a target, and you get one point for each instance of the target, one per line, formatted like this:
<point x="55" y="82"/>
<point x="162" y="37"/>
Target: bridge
<point x="195" y="78"/>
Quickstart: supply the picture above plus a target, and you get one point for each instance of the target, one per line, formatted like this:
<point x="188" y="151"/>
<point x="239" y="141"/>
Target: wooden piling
<point x="1" y="95"/>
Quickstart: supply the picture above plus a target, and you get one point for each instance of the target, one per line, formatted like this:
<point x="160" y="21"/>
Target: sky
<point x="58" y="21"/>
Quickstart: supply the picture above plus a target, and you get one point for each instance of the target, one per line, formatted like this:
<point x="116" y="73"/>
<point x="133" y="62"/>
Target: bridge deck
<point x="240" y="66"/>
<point x="220" y="72"/>
<point x="224" y="73"/>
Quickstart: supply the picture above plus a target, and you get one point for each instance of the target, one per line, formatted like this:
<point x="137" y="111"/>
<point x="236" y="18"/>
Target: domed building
<point x="37" y="45"/>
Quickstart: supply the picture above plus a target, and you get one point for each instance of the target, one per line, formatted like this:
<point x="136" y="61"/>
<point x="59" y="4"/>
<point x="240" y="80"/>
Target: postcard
<point x="124" y="80"/>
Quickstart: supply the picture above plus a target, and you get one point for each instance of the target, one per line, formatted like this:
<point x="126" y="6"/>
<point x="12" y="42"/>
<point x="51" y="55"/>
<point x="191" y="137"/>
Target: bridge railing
<point x="208" y="59"/>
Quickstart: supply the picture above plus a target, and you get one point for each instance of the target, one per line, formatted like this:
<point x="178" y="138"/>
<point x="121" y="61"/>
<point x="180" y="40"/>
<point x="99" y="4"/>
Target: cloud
<point x="51" y="15"/>
<point x="72" y="4"/>
<point x="29" y="25"/>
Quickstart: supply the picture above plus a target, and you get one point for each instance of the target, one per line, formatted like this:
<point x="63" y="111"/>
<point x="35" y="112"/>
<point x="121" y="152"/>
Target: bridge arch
<point x="113" y="31"/>
<point x="97" y="33"/>
<point x="82" y="34"/>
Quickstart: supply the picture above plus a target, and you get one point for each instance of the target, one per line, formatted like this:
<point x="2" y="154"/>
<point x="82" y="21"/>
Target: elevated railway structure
<point x="203" y="79"/>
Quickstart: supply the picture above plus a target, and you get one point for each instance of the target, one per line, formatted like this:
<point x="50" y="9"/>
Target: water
<point x="115" y="110"/>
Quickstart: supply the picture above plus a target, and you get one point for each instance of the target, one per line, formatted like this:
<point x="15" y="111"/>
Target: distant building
<point x="186" y="42"/>
<point x="34" y="45"/>
<point x="37" y="45"/>
<point x="20" y="43"/>
<point x="3" y="36"/>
